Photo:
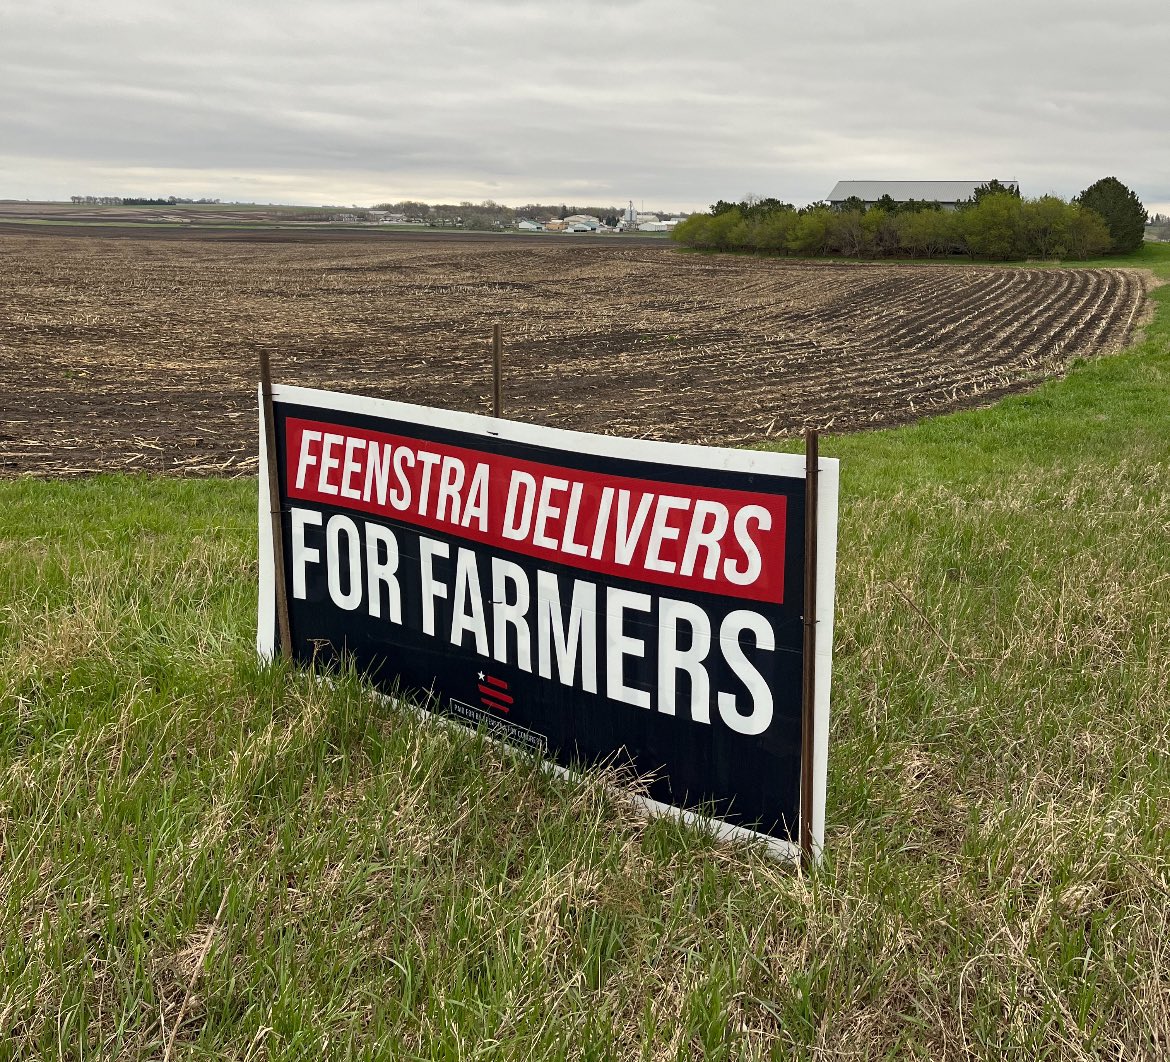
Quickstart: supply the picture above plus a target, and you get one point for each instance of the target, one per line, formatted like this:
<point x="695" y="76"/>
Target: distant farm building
<point x="948" y="194"/>
<point x="645" y="222"/>
<point x="528" y="225"/>
<point x="657" y="224"/>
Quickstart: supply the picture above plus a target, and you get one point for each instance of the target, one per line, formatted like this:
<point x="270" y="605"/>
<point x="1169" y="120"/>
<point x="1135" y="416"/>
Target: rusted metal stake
<point x="811" y="462"/>
<point x="497" y="372"/>
<point x="274" y="508"/>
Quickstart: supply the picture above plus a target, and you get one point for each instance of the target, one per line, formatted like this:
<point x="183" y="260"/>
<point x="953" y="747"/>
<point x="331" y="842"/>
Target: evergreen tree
<point x="1123" y="212"/>
<point x="993" y="187"/>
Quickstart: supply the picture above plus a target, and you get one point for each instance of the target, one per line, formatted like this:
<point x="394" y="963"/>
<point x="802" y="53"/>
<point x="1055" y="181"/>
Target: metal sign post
<point x="811" y="463"/>
<point x="497" y="372"/>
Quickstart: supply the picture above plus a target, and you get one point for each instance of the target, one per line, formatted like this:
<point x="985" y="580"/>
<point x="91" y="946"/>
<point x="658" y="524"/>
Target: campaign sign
<point x="592" y="599"/>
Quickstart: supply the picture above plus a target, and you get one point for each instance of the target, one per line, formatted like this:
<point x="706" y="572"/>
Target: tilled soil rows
<point x="138" y="353"/>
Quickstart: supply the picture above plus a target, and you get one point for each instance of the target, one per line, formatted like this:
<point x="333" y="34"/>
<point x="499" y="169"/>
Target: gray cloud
<point x="677" y="103"/>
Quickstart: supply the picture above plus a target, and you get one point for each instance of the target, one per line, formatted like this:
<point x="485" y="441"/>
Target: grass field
<point x="201" y="858"/>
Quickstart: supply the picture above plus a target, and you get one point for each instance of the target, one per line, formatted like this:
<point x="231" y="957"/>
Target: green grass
<point x="360" y="883"/>
<point x="1150" y="255"/>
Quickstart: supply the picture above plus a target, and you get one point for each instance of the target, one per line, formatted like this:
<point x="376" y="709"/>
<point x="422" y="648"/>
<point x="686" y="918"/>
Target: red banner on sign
<point x="707" y="539"/>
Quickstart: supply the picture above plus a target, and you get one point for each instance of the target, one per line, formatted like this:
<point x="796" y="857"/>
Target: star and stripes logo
<point x="493" y="693"/>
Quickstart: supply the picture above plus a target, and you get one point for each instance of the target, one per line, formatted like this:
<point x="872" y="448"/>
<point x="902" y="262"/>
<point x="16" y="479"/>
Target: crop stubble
<point x="140" y="353"/>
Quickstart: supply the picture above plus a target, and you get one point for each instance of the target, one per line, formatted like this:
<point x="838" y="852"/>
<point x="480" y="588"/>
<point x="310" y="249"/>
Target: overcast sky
<point x="674" y="103"/>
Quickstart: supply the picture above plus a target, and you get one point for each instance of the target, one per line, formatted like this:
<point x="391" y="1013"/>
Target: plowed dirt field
<point x="140" y="353"/>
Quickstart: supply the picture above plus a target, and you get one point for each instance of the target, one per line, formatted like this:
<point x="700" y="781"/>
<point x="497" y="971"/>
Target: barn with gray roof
<point x="948" y="194"/>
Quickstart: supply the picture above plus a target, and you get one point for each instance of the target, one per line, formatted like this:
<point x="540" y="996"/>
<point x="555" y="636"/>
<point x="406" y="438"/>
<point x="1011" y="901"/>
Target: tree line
<point x="996" y="224"/>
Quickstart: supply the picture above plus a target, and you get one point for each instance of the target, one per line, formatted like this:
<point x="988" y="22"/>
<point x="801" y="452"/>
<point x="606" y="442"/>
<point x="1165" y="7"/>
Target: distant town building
<point x="948" y="194"/>
<point x="588" y="221"/>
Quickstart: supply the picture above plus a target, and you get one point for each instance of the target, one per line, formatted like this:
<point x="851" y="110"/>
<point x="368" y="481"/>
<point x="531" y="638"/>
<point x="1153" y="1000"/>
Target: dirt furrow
<point x="140" y="353"/>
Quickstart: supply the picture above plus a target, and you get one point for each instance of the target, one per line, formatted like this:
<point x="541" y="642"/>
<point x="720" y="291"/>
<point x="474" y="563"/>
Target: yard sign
<point x="584" y="597"/>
